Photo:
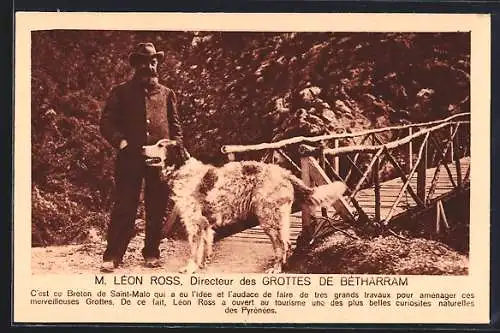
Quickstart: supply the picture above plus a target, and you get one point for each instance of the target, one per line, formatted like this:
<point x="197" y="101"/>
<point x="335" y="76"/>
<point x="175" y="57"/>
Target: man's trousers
<point x="130" y="170"/>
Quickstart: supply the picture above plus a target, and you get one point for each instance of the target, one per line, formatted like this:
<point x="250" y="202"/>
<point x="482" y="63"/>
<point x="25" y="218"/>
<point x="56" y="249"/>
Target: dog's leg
<point x="209" y="243"/>
<point x="275" y="221"/>
<point x="197" y="244"/>
<point x="194" y="239"/>
<point x="285" y="231"/>
<point x="200" y="251"/>
<point x="274" y="235"/>
<point x="205" y="243"/>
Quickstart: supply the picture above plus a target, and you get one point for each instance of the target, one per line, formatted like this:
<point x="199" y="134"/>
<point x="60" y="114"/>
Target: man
<point x="139" y="112"/>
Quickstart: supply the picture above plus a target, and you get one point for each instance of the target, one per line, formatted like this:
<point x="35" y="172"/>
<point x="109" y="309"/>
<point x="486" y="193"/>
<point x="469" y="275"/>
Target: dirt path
<point x="236" y="254"/>
<point x="250" y="251"/>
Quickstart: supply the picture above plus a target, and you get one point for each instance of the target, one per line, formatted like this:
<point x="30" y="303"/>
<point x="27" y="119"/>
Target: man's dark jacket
<point x="141" y="116"/>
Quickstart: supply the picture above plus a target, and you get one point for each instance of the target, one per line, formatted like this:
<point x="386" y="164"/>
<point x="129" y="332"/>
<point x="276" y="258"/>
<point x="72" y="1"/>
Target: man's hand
<point x="123" y="144"/>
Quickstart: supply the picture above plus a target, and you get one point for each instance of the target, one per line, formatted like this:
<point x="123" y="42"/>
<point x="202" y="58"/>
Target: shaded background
<point x="233" y="88"/>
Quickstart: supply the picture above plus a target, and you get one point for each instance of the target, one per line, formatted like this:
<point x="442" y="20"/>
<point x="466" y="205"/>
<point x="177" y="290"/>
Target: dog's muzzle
<point x="156" y="154"/>
<point x="153" y="161"/>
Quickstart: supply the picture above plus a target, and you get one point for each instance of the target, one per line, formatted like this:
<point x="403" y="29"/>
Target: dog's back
<point x="232" y="192"/>
<point x="237" y="189"/>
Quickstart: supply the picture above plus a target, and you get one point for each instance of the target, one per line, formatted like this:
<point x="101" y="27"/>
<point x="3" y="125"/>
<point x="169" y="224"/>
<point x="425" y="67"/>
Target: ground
<point x="251" y="252"/>
<point x="86" y="258"/>
<point x="388" y="255"/>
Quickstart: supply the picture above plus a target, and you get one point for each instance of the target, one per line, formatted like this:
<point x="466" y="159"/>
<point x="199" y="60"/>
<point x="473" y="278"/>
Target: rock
<point x="315" y="130"/>
<point x="329" y="115"/>
<point x="314" y="119"/>
<point x="369" y="98"/>
<point x="315" y="90"/>
<point x="301" y="112"/>
<point x="349" y="116"/>
<point x="279" y="106"/>
<point x="318" y="102"/>
<point x="342" y="107"/>
<point x="311" y="111"/>
<point x="308" y="94"/>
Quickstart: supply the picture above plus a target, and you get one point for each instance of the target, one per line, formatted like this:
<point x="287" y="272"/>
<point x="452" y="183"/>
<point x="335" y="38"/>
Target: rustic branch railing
<point x="349" y="158"/>
<point x="390" y="145"/>
<point x="226" y="149"/>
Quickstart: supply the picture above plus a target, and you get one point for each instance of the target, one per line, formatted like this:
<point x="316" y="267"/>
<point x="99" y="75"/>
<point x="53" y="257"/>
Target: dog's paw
<point x="275" y="269"/>
<point x="187" y="270"/>
<point x="208" y="260"/>
<point x="190" y="268"/>
<point x="203" y="264"/>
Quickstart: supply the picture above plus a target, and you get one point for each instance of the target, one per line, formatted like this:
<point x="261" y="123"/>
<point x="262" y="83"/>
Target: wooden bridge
<point x="390" y="173"/>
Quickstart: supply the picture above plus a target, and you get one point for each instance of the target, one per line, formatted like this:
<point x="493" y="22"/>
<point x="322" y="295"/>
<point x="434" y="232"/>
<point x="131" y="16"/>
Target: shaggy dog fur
<point x="209" y="197"/>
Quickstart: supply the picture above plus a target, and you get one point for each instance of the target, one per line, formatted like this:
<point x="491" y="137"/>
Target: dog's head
<point x="156" y="154"/>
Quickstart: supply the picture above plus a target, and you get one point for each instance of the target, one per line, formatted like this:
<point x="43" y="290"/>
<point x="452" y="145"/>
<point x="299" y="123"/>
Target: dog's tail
<point x="320" y="195"/>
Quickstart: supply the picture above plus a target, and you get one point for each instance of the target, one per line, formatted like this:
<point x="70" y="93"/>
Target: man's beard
<point x="147" y="76"/>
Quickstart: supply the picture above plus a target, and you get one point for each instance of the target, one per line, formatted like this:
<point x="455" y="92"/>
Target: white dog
<point x="209" y="197"/>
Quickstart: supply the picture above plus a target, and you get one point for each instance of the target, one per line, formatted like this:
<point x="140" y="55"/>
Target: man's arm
<point x="109" y="122"/>
<point x="175" y="125"/>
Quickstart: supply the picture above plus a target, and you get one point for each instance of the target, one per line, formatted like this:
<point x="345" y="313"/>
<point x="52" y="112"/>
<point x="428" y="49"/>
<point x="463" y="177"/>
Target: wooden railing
<point x="359" y="158"/>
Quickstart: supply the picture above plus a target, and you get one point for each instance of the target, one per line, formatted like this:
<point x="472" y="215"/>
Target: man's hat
<point x="145" y="50"/>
